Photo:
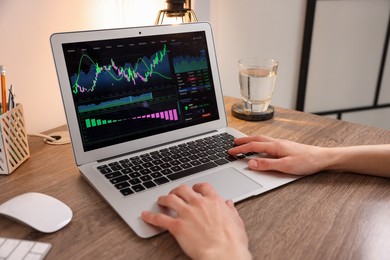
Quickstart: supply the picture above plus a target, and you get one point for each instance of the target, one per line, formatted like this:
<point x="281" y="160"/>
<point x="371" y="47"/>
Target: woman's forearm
<point x="367" y="159"/>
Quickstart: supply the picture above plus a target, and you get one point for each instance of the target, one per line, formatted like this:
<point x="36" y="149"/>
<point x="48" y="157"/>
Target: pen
<point x="3" y="90"/>
<point x="11" y="99"/>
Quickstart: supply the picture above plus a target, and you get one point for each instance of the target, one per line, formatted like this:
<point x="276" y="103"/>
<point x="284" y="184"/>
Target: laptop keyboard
<point x="149" y="170"/>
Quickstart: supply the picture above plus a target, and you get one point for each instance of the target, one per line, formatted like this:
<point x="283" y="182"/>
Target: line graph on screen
<point x="143" y="70"/>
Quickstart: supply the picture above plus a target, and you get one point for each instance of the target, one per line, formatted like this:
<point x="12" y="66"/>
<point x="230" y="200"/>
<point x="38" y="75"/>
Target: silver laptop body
<point x="134" y="91"/>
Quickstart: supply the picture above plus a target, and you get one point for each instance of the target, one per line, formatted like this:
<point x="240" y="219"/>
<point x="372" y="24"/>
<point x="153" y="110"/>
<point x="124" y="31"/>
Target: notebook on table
<point x="145" y="113"/>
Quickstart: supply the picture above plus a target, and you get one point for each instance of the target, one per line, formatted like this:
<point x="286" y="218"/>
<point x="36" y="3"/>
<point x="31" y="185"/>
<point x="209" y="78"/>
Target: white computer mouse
<point x="39" y="211"/>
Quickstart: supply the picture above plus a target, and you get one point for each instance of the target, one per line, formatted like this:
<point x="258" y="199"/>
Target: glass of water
<point x="257" y="81"/>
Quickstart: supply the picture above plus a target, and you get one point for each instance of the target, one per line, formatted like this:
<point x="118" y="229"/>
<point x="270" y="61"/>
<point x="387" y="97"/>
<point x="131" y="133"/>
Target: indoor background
<point x="266" y="28"/>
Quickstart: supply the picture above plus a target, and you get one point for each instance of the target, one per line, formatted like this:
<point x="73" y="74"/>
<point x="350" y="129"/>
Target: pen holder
<point x="13" y="142"/>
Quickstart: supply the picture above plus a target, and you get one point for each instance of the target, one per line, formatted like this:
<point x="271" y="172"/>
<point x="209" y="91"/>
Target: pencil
<point x="3" y="91"/>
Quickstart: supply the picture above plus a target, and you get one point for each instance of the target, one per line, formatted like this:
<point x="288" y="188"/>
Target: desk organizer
<point x="13" y="142"/>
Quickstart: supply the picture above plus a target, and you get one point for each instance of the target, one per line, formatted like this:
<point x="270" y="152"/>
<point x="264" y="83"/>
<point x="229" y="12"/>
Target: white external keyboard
<point x="17" y="249"/>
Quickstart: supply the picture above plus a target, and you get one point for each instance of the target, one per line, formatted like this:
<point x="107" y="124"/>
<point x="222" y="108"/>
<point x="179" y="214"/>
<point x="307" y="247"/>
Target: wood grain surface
<point x="323" y="216"/>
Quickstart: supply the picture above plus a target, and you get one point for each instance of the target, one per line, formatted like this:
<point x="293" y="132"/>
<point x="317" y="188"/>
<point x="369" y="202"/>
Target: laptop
<point x="145" y="112"/>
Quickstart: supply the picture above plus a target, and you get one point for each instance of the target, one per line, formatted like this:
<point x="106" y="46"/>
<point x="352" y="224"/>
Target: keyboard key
<point x="156" y="175"/>
<point x="219" y="149"/>
<point x="40" y="248"/>
<point x="116" y="168"/>
<point x="147" y="159"/>
<point x="157" y="156"/>
<point x="113" y="164"/>
<point x="193" y="157"/>
<point x="188" y="172"/>
<point x="102" y="166"/>
<point x="161" y="180"/>
<point x="136" y="161"/>
<point x="231" y="158"/>
<point x="175" y="162"/>
<point x="211" y="152"/>
<point x="185" y="154"/>
<point x="184" y="160"/>
<point x="122" y="185"/>
<point x="136" y="168"/>
<point x="23" y="249"/>
<point x="127" y="165"/>
<point x="166" y="153"/>
<point x="126" y="171"/>
<point x="204" y="160"/>
<point x="176" y="156"/>
<point x="138" y="188"/>
<point x="126" y="191"/>
<point x="221" y="161"/>
<point x="176" y="168"/>
<point x="113" y="175"/>
<point x="145" y="178"/>
<point x="119" y="179"/>
<point x="149" y="184"/>
<point x="105" y="170"/>
<point x="165" y="165"/>
<point x="157" y="162"/>
<point x="135" y="181"/>
<point x="195" y="163"/>
<point x="134" y="175"/>
<point x="185" y="165"/>
<point x="166" y="171"/>
<point x="203" y="154"/>
<point x="212" y="157"/>
<point x="147" y="165"/>
<point x="145" y="171"/>
<point x="222" y="154"/>
<point x="167" y="159"/>
<point x="7" y="247"/>
<point x="155" y="168"/>
<point x="202" y="149"/>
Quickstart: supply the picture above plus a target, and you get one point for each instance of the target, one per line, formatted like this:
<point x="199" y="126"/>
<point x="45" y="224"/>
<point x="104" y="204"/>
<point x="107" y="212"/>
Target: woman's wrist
<point x="227" y="253"/>
<point x="227" y="248"/>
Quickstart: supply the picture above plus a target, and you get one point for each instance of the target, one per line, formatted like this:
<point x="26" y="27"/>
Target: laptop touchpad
<point x="230" y="184"/>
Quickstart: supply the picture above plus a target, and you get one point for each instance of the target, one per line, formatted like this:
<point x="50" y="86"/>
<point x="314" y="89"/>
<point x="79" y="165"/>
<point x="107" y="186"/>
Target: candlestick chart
<point x="143" y="70"/>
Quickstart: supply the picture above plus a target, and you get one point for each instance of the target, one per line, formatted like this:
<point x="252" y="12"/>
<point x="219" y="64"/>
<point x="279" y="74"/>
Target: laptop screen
<point x="129" y="88"/>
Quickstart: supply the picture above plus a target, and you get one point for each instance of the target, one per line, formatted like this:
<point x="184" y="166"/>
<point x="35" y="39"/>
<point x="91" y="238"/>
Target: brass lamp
<point x="176" y="13"/>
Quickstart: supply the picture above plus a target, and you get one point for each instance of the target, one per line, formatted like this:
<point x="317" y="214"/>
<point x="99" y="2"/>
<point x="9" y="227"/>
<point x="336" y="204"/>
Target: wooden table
<point x="323" y="216"/>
